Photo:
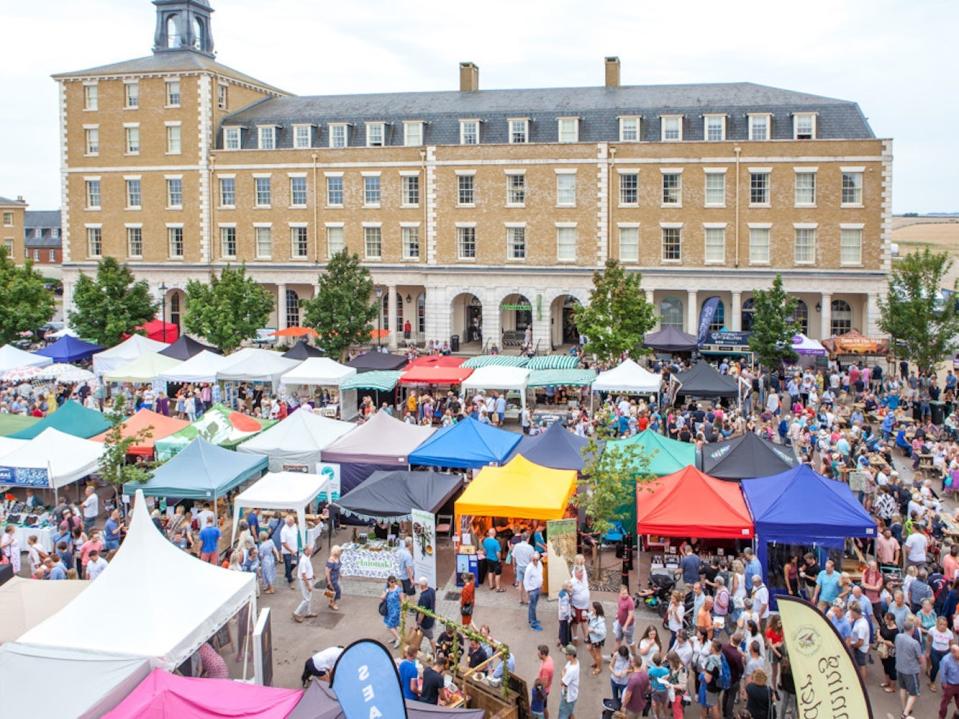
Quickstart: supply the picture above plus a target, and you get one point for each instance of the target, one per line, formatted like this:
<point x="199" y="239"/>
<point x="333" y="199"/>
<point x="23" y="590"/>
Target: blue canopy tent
<point x="556" y="448"/>
<point x="800" y="506"/>
<point x="201" y="471"/>
<point x="468" y="444"/>
<point x="69" y="349"/>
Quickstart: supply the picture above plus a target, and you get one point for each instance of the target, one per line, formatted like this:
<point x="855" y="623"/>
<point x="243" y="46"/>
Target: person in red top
<point x="950" y="563"/>
<point x="774" y="642"/>
<point x="467" y="598"/>
<point x="642" y="423"/>
<point x="36" y="411"/>
<point x="871" y="586"/>
<point x="545" y="675"/>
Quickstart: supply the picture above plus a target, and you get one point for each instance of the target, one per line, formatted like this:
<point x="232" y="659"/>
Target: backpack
<point x="725" y="676"/>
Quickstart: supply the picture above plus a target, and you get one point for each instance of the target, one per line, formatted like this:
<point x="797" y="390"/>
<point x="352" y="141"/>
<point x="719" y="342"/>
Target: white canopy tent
<point x="137" y="608"/>
<point x="124" y="353"/>
<point x="13" y="358"/>
<point x="201" y="367"/>
<point x="8" y="445"/>
<point x="318" y="371"/>
<point x="297" y="440"/>
<point x="24" y="603"/>
<point x="145" y="368"/>
<point x="499" y="377"/>
<point x="281" y="490"/>
<point x="60" y="458"/>
<point x="804" y="345"/>
<point x="87" y="685"/>
<point x="256" y="365"/>
<point x="628" y="378"/>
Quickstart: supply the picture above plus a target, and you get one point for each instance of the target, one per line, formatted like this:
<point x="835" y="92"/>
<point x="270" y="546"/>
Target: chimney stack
<point x="612" y="72"/>
<point x="469" y="77"/>
<point x="20" y="198"/>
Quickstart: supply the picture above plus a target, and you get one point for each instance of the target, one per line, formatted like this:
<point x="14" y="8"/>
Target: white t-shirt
<point x="571" y="681"/>
<point x="760" y="599"/>
<point x="940" y="640"/>
<point x="288" y="537"/>
<point x="860" y="630"/>
<point x="203" y="515"/>
<point x="916" y="547"/>
<point x="304" y="568"/>
<point x="94" y="568"/>
<point x="91" y="506"/>
<point x="325" y="659"/>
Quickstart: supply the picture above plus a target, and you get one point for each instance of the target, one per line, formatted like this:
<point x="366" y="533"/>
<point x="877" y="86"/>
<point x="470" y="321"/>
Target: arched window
<point x="719" y="319"/>
<point x="197" y="33"/>
<point x="292" y="308"/>
<point x="172" y="32"/>
<point x="841" y="318"/>
<point x="801" y="316"/>
<point x="421" y="314"/>
<point x="175" y="308"/>
<point x="749" y="310"/>
<point x="671" y="312"/>
<point x="385" y="310"/>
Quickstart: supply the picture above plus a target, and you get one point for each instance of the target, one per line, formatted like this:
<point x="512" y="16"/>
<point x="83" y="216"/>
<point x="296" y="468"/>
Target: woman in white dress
<point x="10" y="548"/>
<point x="579" y="598"/>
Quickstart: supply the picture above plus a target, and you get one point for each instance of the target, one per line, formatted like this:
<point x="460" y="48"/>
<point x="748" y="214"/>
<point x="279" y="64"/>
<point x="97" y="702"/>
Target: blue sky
<point x="898" y="60"/>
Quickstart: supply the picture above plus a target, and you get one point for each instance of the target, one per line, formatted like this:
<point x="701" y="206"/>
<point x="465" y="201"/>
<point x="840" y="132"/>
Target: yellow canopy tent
<point x="520" y="489"/>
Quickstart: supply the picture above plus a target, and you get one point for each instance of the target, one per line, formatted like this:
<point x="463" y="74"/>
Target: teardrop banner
<point x="367" y="682"/>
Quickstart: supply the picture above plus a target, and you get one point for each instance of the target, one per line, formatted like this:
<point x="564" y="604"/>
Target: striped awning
<point x="495" y="361"/>
<point x="553" y="362"/>
<point x="380" y="380"/>
<point x="561" y="377"/>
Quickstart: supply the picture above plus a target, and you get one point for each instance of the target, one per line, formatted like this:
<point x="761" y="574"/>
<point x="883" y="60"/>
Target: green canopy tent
<point x="70" y="418"/>
<point x="10" y="423"/>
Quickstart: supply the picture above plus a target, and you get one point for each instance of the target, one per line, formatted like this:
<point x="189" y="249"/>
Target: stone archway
<point x="466" y="319"/>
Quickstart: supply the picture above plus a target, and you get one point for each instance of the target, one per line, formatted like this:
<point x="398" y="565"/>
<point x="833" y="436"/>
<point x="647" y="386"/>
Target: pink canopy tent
<point x="163" y="695"/>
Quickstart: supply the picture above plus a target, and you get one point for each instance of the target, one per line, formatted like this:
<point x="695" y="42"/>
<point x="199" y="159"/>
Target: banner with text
<point x="25" y="476"/>
<point x="367" y="682"/>
<point x="706" y="317"/>
<point x="827" y="683"/>
<point x="424" y="545"/>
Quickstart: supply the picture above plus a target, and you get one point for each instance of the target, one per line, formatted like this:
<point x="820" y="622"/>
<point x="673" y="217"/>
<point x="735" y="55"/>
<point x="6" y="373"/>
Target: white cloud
<point x="897" y="60"/>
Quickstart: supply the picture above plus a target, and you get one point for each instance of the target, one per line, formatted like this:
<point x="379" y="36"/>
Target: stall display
<point x="297" y="442"/>
<point x="218" y="425"/>
<point x="70" y="418"/>
<point x="373" y="559"/>
<point x="28" y="525"/>
<point x="186" y="347"/>
<point x="468" y="444"/>
<point x="158" y="426"/>
<point x="69" y="349"/>
<point x="748" y="455"/>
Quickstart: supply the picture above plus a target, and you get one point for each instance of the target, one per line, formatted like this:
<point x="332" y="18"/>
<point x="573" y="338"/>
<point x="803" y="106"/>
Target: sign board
<point x="560" y="552"/>
<point x="424" y="545"/>
<point x="330" y="471"/>
<point x="295" y="467"/>
<point x="25" y="476"/>
<point x="358" y="562"/>
<point x="263" y="649"/>
<point x="726" y="337"/>
<point x="367" y="682"/>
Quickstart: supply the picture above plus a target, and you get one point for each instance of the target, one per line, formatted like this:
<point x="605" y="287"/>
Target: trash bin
<point x="937" y="409"/>
<point x="455" y="343"/>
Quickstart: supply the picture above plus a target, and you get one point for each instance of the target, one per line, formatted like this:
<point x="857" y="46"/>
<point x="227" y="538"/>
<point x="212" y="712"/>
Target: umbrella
<point x="296" y="332"/>
<point x="22" y="374"/>
<point x="66" y="373"/>
<point x="376" y="334"/>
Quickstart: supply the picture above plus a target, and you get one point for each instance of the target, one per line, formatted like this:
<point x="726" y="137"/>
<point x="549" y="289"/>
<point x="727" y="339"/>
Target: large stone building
<point x="477" y="211"/>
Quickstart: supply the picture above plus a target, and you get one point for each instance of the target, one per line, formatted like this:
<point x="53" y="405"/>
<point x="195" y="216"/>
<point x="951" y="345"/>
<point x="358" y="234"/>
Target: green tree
<point x="25" y="303"/>
<point x="228" y="309"/>
<point x="774" y="325"/>
<point x="617" y="316"/>
<point x="114" y="467"/>
<point x="343" y="308"/>
<point x="111" y="306"/>
<point x="923" y="326"/>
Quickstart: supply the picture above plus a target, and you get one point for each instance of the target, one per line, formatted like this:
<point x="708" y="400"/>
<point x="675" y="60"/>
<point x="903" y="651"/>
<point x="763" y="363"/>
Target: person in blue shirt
<point x="839" y="621"/>
<point x="539" y="544"/>
<point x="827" y="584"/>
<point x="752" y="566"/>
<point x="537" y="700"/>
<point x="494" y="568"/>
<point x="501" y="408"/>
<point x="658" y="684"/>
<point x="209" y="541"/>
<point x="111" y="532"/>
<point x="409" y="674"/>
<point x="949" y="678"/>
<point x="510" y="664"/>
<point x="58" y="571"/>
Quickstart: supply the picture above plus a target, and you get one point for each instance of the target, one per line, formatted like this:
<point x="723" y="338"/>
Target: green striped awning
<point x="495" y="361"/>
<point x="380" y="380"/>
<point x="554" y="362"/>
<point x="561" y="377"/>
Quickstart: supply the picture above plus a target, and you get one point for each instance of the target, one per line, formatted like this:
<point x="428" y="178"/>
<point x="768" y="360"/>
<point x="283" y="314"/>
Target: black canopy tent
<point x="301" y="351"/>
<point x="391" y="495"/>
<point x="557" y="448"/>
<point x="372" y="361"/>
<point x="671" y="339"/>
<point x="704" y="380"/>
<point x="745" y="457"/>
<point x="185" y="348"/>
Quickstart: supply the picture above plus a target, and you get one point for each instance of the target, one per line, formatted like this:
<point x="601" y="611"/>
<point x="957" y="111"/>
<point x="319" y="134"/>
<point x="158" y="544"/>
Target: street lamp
<point x="163" y="288"/>
<point x="379" y="316"/>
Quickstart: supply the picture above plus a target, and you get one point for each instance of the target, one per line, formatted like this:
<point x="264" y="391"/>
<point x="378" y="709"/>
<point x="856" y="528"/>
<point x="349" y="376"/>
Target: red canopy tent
<point x="689" y="503"/>
<point x="160" y="331"/>
<point x="436" y="374"/>
<point x="437" y="361"/>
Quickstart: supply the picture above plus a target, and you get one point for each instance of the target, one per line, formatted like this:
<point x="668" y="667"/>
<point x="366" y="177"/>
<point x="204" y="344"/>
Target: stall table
<point x="375" y="559"/>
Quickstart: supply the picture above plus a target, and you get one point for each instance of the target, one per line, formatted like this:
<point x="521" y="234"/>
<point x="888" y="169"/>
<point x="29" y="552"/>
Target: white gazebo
<point x="499" y="377"/>
<point x="145" y="368"/>
<point x="124" y="353"/>
<point x="256" y="365"/>
<point x="13" y="358"/>
<point x="318" y="372"/>
<point x="281" y="490"/>
<point x="628" y="378"/>
<point x="201" y="367"/>
<point x="297" y="440"/>
<point x="52" y="459"/>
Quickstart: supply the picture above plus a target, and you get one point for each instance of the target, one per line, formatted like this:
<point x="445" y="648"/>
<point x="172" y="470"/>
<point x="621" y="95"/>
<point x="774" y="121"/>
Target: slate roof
<point x="186" y="60"/>
<point x="7" y="202"/>
<point x="41" y="218"/>
<point x="597" y="107"/>
<point x="46" y="221"/>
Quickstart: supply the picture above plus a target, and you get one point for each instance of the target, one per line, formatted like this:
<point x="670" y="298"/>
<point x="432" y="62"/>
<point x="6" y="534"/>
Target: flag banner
<point x="706" y="317"/>
<point x="367" y="682"/>
<point x="424" y="545"/>
<point x="827" y="683"/>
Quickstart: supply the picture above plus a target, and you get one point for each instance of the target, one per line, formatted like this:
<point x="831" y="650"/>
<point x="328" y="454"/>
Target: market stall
<point x="201" y="367"/>
<point x="186" y="347"/>
<point x="747" y="455"/>
<point x="201" y="471"/>
<point x="799" y="510"/>
<point x="156" y="425"/>
<point x="665" y="455"/>
<point x="558" y="362"/>
<point x="856" y="343"/>
<point x="218" y="425"/>
<point x="69" y="349"/>
<point x="290" y="491"/>
<point x="377" y="361"/>
<point x="163" y="694"/>
<point x="670" y="340"/>
<point x="377" y="384"/>
<point x="70" y="418"/>
<point x="321" y="372"/>
<point x="13" y="423"/>
<point x="628" y="378"/>
<point x="24" y="603"/>
<point x="124" y="353"/>
<point x="497" y="360"/>
<point x="143" y="370"/>
<point x="50" y="460"/>
<point x="296" y="443"/>
<point x="434" y="375"/>
<point x="556" y="448"/>
<point x="468" y="444"/>
<point x="160" y="330"/>
<point x="303" y="350"/>
<point x="13" y="358"/>
<point x="497" y="377"/>
<point x="256" y="365"/>
<point x="704" y="381"/>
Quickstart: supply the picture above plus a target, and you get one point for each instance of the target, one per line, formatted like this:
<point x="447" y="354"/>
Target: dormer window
<point x="629" y="129"/>
<point x="567" y="129"/>
<point x="714" y="128"/>
<point x="338" y="134"/>
<point x="518" y="130"/>
<point x="375" y="134"/>
<point x="231" y="138"/>
<point x="302" y="136"/>
<point x="804" y="126"/>
<point x="760" y="126"/>
<point x="413" y="133"/>
<point x="266" y="135"/>
<point x="672" y="128"/>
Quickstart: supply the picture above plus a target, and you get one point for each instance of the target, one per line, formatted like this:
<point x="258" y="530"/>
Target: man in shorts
<point x="859" y="638"/>
<point x="625" y="624"/>
<point x="910" y="661"/>
<point x="494" y="568"/>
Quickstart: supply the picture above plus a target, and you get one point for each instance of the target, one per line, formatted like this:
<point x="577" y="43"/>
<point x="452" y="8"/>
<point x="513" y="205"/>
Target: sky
<point x="897" y="59"/>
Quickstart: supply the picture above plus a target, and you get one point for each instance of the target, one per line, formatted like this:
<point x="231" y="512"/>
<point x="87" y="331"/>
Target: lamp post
<point x="163" y="288"/>
<point x="379" y="316"/>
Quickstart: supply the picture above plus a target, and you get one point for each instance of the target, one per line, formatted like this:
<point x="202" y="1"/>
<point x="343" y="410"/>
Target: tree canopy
<point x="343" y="308"/>
<point x="774" y="325"/>
<point x="25" y="302"/>
<point x="923" y="324"/>
<point x="114" y="467"/>
<point x="227" y="310"/>
<point x="618" y="315"/>
<point x="112" y="305"/>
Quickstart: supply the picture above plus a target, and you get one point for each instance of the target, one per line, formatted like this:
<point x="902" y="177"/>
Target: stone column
<point x="825" y="316"/>
<point x="281" y="306"/>
<point x="491" y="320"/>
<point x="736" y="310"/>
<point x="391" y="314"/>
<point x="692" y="312"/>
<point x="871" y="314"/>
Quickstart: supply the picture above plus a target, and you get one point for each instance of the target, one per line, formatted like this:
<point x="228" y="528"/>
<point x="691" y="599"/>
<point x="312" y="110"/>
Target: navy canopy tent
<point x="371" y="361"/>
<point x="468" y="444"/>
<point x="557" y="448"/>
<point x="704" y="380"/>
<point x="748" y="455"/>
<point x="802" y="507"/>
<point x="69" y="349"/>
<point x="185" y="348"/>
<point x="671" y="339"/>
<point x="393" y="494"/>
<point x="301" y="351"/>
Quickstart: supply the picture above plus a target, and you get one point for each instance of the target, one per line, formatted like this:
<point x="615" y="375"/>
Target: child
<point x="658" y="684"/>
<point x="565" y="609"/>
<point x="678" y="683"/>
<point x="537" y="702"/>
